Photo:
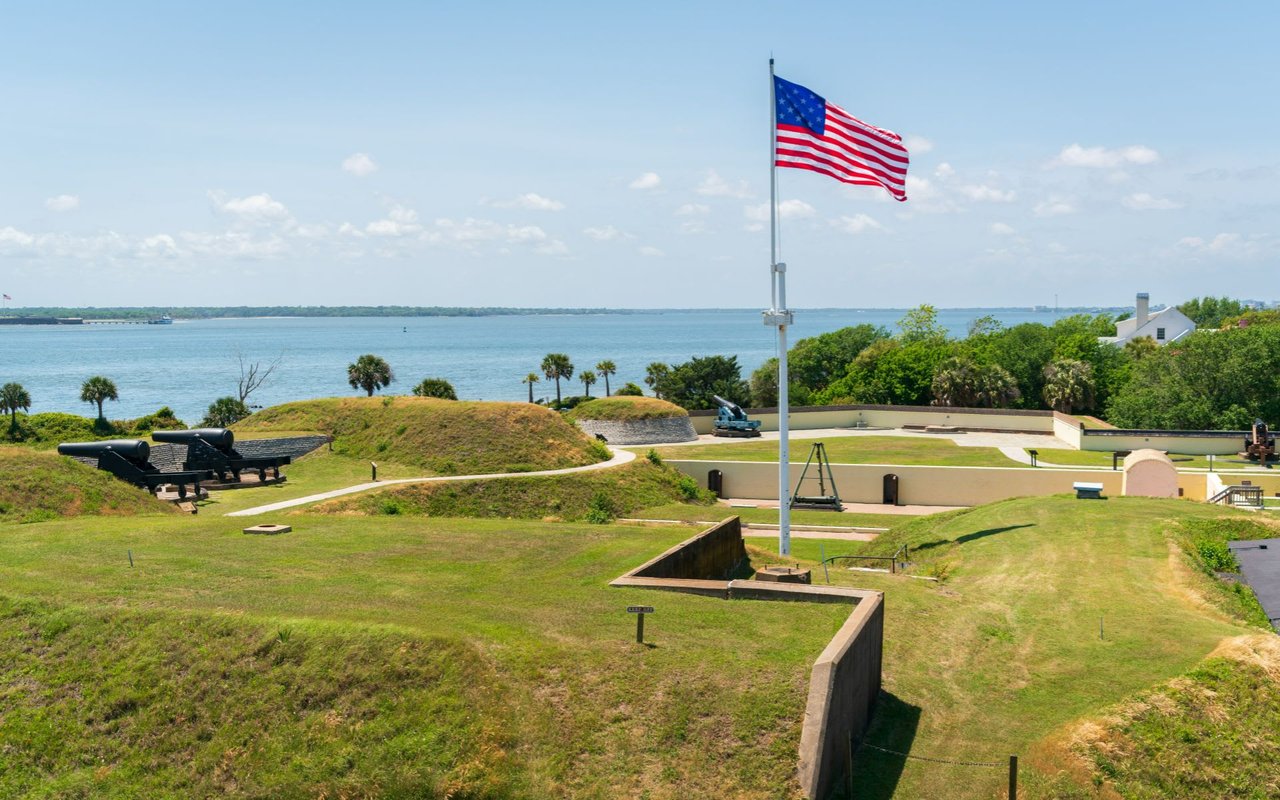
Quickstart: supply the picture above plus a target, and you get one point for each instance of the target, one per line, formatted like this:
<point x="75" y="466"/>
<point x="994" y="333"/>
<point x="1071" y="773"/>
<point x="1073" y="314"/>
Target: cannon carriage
<point x="732" y="421"/>
<point x="214" y="449"/>
<point x="1260" y="444"/>
<point x="130" y="460"/>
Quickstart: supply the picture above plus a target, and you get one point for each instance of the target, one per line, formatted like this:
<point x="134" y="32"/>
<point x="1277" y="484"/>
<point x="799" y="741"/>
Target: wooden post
<point x="640" y="628"/>
<point x="1013" y="778"/>
<point x="848" y="763"/>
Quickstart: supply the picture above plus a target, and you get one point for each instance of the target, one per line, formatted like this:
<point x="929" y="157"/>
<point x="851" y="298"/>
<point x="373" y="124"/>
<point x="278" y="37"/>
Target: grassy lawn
<point x="317" y="471"/>
<point x="850" y="450"/>
<point x="384" y="656"/>
<point x="683" y="511"/>
<point x="1006" y="651"/>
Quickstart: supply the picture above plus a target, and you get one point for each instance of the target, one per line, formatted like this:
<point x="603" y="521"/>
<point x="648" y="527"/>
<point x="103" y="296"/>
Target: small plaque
<point x="639" y="609"/>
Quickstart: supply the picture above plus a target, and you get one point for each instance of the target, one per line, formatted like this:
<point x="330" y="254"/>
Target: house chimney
<point x="1144" y="302"/>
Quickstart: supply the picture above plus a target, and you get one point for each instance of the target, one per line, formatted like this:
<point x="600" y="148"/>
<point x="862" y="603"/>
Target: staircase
<point x="1239" y="496"/>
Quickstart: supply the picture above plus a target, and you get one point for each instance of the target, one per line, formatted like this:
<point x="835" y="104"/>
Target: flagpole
<point x="779" y="316"/>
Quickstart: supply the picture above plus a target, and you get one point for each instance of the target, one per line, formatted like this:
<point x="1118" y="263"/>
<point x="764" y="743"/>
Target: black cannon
<point x="214" y="449"/>
<point x="1260" y="444"/>
<point x="732" y="421"/>
<point x="130" y="460"/>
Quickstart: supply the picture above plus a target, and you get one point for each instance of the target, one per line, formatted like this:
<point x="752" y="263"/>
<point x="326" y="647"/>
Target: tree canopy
<point x="370" y="372"/>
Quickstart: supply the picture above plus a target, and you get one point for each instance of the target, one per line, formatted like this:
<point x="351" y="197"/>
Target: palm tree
<point x="607" y="368"/>
<point x="556" y="366"/>
<point x="587" y="377"/>
<point x="12" y="398"/>
<point x="531" y="379"/>
<point x="98" y="390"/>
<point x="961" y="382"/>
<point x="653" y="375"/>
<point x="370" y="372"/>
<point x="1068" y="385"/>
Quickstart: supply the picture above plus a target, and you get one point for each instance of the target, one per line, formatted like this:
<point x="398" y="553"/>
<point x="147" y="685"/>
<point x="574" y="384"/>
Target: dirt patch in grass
<point x="443" y="437"/>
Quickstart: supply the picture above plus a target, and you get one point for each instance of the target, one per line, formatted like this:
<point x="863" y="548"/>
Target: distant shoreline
<point x="259" y="312"/>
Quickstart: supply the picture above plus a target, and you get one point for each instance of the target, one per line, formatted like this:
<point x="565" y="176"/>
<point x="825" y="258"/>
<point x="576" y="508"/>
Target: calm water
<point x="189" y="364"/>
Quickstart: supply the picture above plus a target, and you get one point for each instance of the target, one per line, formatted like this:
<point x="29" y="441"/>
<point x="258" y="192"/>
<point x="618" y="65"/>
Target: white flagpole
<point x="779" y="316"/>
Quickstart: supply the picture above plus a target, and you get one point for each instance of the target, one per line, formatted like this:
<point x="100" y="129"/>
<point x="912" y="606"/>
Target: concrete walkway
<point x="1045" y="441"/>
<point x="620" y="457"/>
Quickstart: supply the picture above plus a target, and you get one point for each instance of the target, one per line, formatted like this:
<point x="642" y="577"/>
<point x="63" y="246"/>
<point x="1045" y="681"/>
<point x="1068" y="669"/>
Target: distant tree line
<point x="222" y="312"/>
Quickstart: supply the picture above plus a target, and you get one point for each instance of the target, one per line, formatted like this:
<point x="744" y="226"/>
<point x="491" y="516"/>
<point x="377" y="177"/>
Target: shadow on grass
<point x="875" y="773"/>
<point x="969" y="537"/>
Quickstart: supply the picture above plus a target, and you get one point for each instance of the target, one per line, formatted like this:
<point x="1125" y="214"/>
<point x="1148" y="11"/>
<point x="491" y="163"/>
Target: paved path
<point x="620" y="457"/>
<point x="1045" y="441"/>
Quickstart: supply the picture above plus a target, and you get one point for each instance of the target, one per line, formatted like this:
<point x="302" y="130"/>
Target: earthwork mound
<point x="634" y="420"/>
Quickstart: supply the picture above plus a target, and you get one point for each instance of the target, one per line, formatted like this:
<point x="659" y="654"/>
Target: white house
<point x="1163" y="327"/>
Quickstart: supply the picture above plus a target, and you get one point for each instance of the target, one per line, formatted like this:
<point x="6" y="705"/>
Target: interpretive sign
<point x="639" y="611"/>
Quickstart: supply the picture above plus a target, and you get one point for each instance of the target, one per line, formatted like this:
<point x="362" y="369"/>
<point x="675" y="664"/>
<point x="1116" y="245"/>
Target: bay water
<point x="190" y="363"/>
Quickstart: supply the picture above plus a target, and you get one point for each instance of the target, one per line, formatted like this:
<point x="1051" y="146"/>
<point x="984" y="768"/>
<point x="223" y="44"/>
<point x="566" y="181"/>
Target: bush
<point x="629" y="389"/>
<point x="689" y="488"/>
<point x="223" y="412"/>
<point x="601" y="511"/>
<point x="435" y="387"/>
<point x="653" y="457"/>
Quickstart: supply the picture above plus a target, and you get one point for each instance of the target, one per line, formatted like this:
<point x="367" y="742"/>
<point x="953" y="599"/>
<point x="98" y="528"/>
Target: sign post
<point x="639" y="611"/>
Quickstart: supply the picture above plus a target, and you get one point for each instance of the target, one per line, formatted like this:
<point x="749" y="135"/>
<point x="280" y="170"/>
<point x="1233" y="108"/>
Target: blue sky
<point x="606" y="154"/>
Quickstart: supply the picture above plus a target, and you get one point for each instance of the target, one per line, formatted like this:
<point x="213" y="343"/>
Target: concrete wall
<point x="641" y="431"/>
<point x="843" y="687"/>
<point x="1149" y="473"/>
<point x="714" y="553"/>
<point x="875" y="416"/>
<point x="917" y="485"/>
<point x="1067" y="428"/>
<point x="1184" y="442"/>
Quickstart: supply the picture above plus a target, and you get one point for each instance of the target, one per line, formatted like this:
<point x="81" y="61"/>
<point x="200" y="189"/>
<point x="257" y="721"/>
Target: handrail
<point x="1251" y="495"/>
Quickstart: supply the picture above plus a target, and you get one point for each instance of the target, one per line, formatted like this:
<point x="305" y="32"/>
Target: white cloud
<point x="855" y="224"/>
<point x="917" y="144"/>
<point x="472" y="230"/>
<point x="987" y="194"/>
<point x="649" y="180"/>
<point x="1001" y="229"/>
<point x="787" y="209"/>
<point x="554" y="247"/>
<point x="1231" y="245"/>
<point x="63" y="202"/>
<point x="715" y="186"/>
<point x="360" y="164"/>
<point x="13" y="240"/>
<point x="1054" y="207"/>
<point x="651" y="252"/>
<point x="254" y="208"/>
<point x="1073" y="155"/>
<point x="692" y="210"/>
<point x="400" y="221"/>
<point x="606" y="233"/>
<point x="1143" y="201"/>
<point x="693" y="226"/>
<point x="159" y="246"/>
<point x="531" y="201"/>
<point x="943" y="171"/>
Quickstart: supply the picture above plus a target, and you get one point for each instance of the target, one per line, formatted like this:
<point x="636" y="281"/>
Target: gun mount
<point x="214" y="449"/>
<point x="732" y="421"/>
<point x="129" y="460"/>
<point x="1260" y="444"/>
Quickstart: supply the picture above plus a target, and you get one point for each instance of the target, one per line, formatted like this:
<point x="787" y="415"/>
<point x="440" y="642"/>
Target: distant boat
<point x="165" y="320"/>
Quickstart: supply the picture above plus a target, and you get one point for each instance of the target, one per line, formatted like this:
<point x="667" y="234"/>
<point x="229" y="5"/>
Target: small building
<point x="1164" y="326"/>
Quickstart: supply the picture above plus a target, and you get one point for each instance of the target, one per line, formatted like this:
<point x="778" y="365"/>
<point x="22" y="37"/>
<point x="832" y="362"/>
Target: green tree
<point x="605" y="369"/>
<point x="435" y="387"/>
<point x="1068" y="385"/>
<point x="891" y="373"/>
<point x="962" y="382"/>
<point x="1141" y="347"/>
<point x="531" y="379"/>
<point x="1211" y="312"/>
<point x="556" y="366"/>
<point x="588" y="378"/>
<point x="653" y="376"/>
<point x="225" y="411"/>
<point x="14" y="398"/>
<point x="692" y="384"/>
<point x="1022" y="350"/>
<point x="630" y="389"/>
<point x="921" y="324"/>
<point x="370" y="372"/>
<point x="98" y="390"/>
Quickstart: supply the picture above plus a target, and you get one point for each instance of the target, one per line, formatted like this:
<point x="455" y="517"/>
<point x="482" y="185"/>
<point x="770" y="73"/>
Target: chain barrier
<point x="937" y="760"/>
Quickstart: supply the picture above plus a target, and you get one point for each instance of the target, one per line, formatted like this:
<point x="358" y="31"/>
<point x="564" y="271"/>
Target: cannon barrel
<point x="720" y="401"/>
<point x="134" y="450"/>
<point x="220" y="438"/>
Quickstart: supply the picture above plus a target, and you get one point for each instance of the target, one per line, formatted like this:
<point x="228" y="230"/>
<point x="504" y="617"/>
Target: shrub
<point x="601" y="511"/>
<point x="629" y="389"/>
<point x="688" y="487"/>
<point x="598" y="450"/>
<point x="653" y="457"/>
<point x="435" y="387"/>
<point x="224" y="411"/>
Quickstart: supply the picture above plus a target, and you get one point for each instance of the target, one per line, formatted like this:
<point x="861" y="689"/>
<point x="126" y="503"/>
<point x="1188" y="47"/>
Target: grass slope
<point x="49" y="429"/>
<point x="625" y="408"/>
<point x="851" y="450"/>
<point x="446" y="437"/>
<point x="1006" y="650"/>
<point x="625" y="490"/>
<point x="36" y="486"/>
<point x="565" y="704"/>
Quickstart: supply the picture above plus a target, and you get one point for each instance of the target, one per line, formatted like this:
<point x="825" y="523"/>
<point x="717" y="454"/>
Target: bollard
<point x="1013" y="778"/>
<point x="374" y="467"/>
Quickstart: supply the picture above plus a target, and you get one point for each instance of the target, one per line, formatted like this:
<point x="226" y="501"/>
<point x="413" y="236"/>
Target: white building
<point x="1168" y="325"/>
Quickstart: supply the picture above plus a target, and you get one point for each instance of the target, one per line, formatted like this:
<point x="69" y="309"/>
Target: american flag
<point x="820" y="136"/>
